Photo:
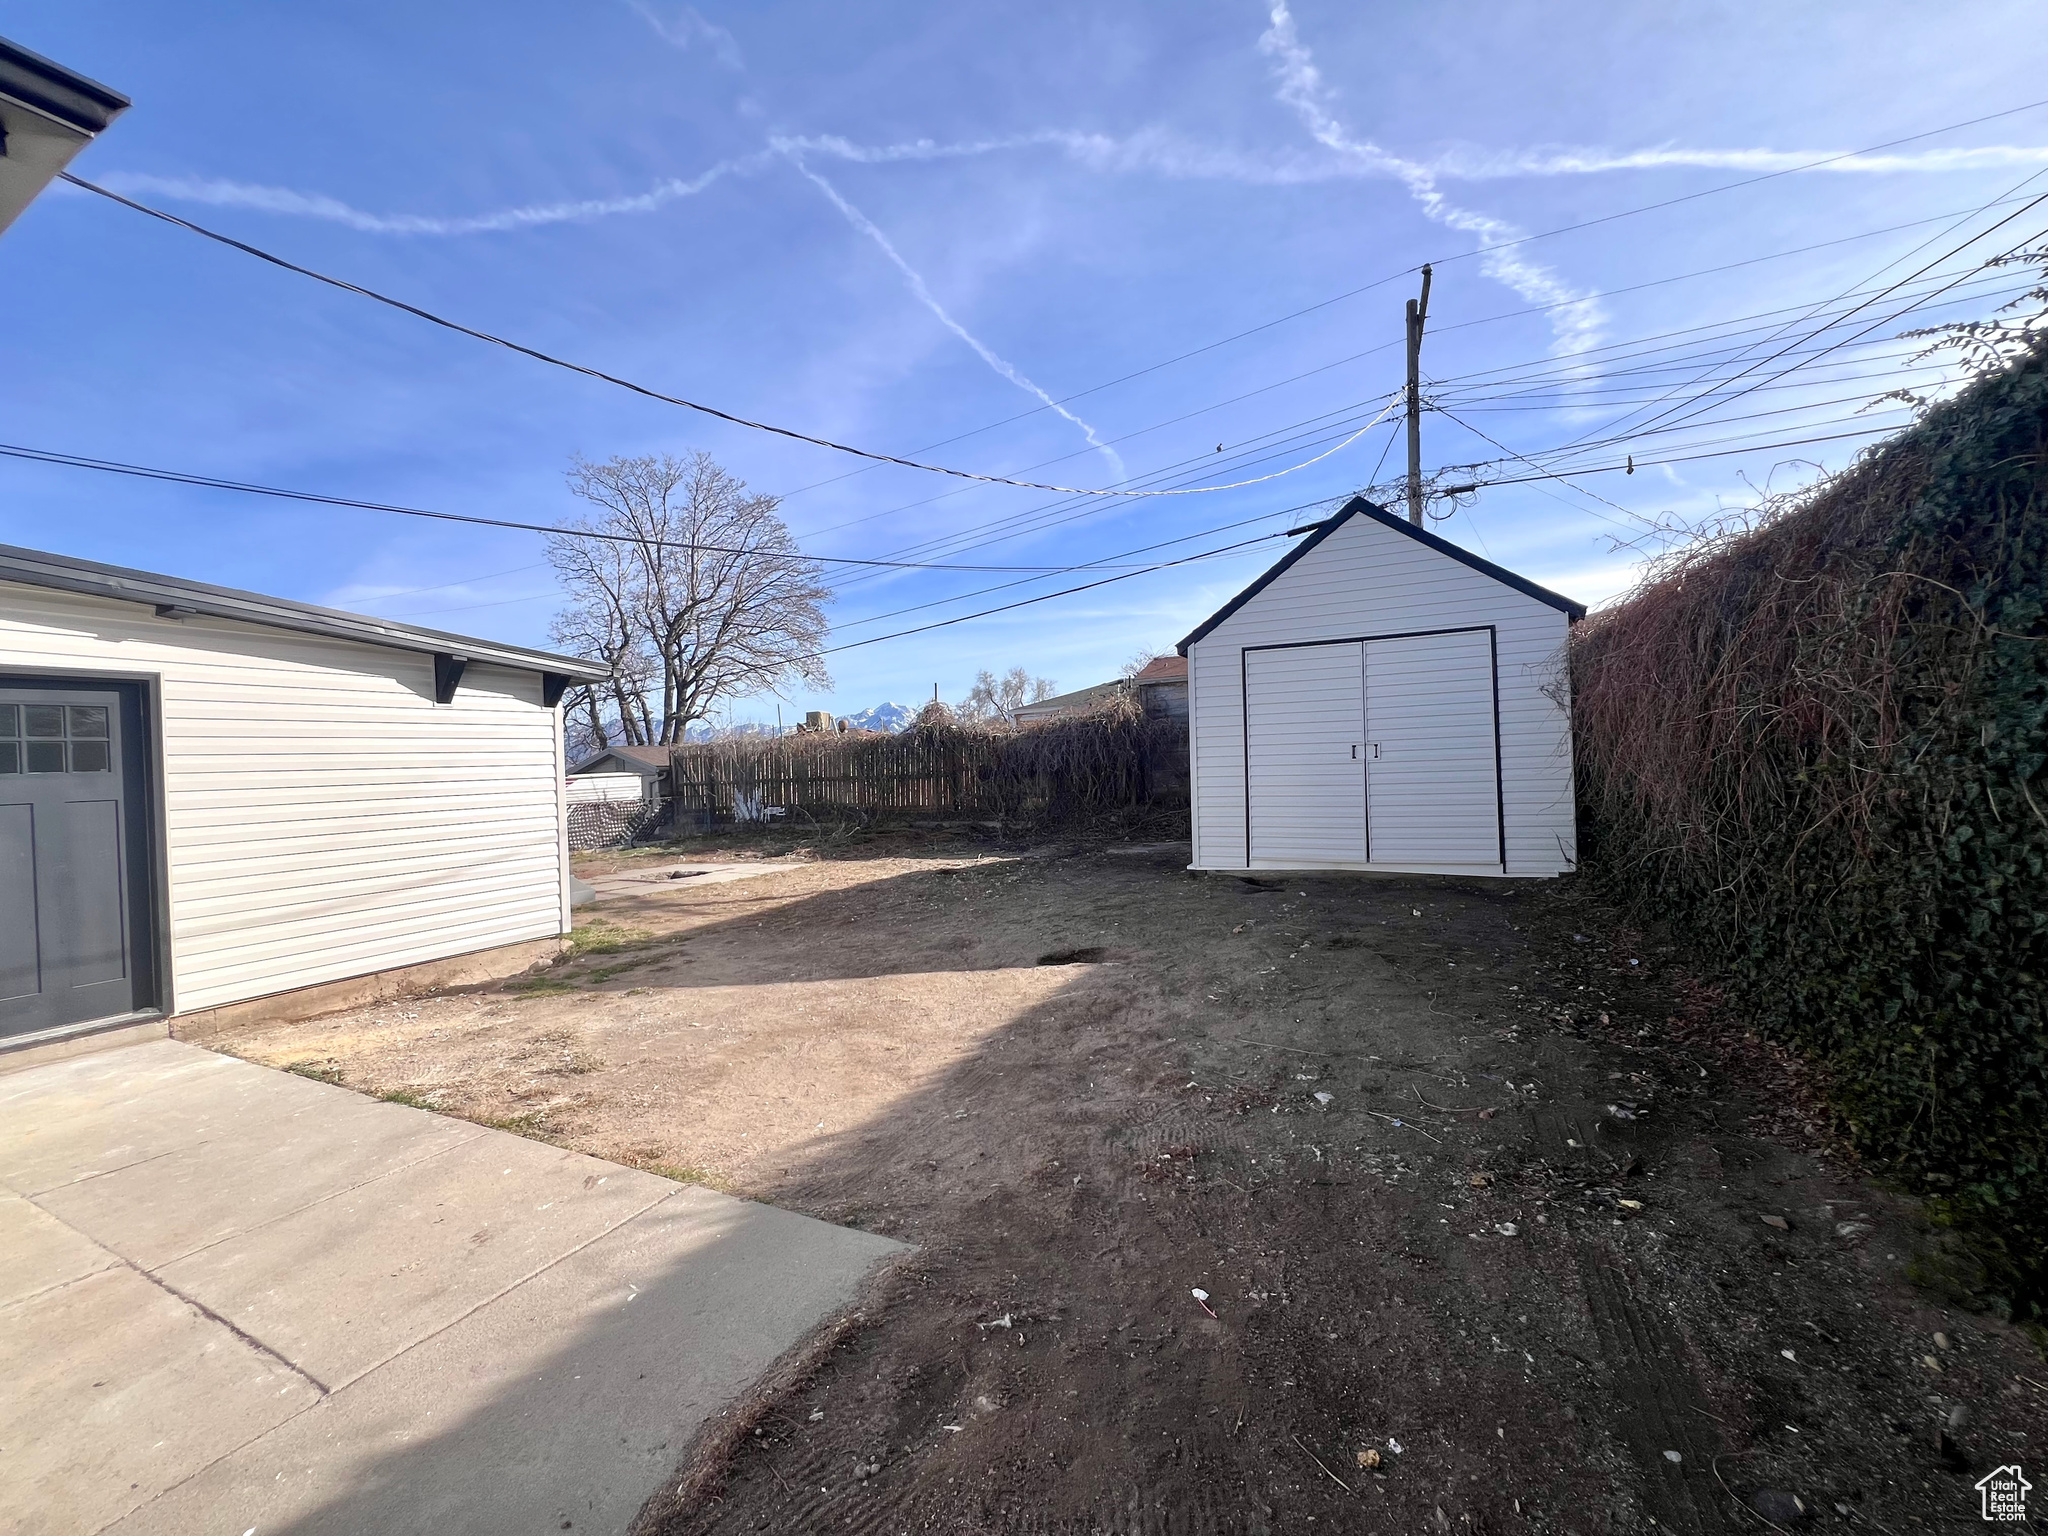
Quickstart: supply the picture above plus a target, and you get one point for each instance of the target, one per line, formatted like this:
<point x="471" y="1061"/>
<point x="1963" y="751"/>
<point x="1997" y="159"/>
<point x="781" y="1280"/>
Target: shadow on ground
<point x="1482" y="1244"/>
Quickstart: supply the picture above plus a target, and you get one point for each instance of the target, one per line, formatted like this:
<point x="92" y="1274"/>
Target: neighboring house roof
<point x="645" y="761"/>
<point x="175" y="597"/>
<point x="1358" y="506"/>
<point x="1162" y="669"/>
<point x="1071" y="703"/>
<point x="47" y="114"/>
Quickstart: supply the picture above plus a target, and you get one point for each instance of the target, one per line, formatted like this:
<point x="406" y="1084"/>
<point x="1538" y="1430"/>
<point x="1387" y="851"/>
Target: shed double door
<point x="1373" y="752"/>
<point x="73" y="857"/>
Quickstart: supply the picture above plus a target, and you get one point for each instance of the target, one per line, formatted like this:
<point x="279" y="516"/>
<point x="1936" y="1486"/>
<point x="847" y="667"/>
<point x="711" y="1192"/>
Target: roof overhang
<point x="644" y="770"/>
<point x="174" y="597"/>
<point x="47" y="114"/>
<point x="1080" y="698"/>
<point x="1358" y="506"/>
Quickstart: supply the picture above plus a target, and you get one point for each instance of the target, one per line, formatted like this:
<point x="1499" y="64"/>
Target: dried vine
<point x="1817" y="739"/>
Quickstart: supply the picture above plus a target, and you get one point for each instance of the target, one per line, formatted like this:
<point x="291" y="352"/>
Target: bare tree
<point x="1139" y="662"/>
<point x="601" y="624"/>
<point x="996" y="700"/>
<point x="697" y="594"/>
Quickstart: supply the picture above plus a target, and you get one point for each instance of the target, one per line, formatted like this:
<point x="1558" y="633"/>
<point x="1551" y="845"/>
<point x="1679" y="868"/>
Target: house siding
<point x="1365" y="579"/>
<point x="323" y="817"/>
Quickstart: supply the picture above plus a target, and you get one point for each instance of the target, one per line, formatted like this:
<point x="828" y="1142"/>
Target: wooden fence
<point x="1075" y="769"/>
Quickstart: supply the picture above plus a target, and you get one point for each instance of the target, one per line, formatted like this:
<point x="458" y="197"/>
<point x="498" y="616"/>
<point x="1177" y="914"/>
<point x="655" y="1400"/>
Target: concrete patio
<point x="232" y="1299"/>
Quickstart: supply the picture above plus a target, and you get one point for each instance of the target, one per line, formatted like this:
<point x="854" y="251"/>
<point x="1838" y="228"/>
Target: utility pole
<point x="1418" y="314"/>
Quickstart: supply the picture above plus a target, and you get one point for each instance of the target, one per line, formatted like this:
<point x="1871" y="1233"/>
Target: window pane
<point x="10" y="757"/>
<point x="89" y="757"/>
<point x="10" y="719"/>
<point x="89" y="721"/>
<point x="45" y="719"/>
<point x="46" y="757"/>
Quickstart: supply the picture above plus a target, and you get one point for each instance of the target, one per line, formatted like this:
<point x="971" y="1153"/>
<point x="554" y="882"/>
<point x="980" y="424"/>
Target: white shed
<point x="209" y="797"/>
<point x="1383" y="700"/>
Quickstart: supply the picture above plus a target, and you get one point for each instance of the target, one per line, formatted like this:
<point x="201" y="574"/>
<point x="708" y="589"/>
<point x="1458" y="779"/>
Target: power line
<point x="1230" y="548"/>
<point x="210" y="482"/>
<point x="1017" y="524"/>
<point x="1010" y="526"/>
<point x="908" y="463"/>
<point x="1708" y="404"/>
<point x="1354" y="357"/>
<point x="641" y="389"/>
<point x="1054" y="514"/>
<point x="1018" y="519"/>
<point x="1638" y="434"/>
<point x="1615" y="469"/>
<point x="1566" y="367"/>
<point x="1487" y="405"/>
<point x="1705" y="401"/>
<point x="1565" y="229"/>
<point x="1101" y="564"/>
<point x="1624" y="511"/>
<point x="1046" y="597"/>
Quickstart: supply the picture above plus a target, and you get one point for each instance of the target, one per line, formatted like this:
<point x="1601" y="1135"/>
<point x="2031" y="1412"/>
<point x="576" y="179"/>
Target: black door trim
<point x="1244" y="715"/>
<point x="148" y="847"/>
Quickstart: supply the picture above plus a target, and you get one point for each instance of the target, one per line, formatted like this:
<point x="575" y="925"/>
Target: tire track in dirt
<point x="1659" y="1407"/>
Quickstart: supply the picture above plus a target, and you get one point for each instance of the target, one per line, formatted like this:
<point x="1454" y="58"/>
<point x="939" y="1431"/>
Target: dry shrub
<point x="1815" y="743"/>
<point x="1112" y="764"/>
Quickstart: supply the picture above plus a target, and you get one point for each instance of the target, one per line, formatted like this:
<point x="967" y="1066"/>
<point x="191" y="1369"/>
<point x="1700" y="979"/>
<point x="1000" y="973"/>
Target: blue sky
<point x="900" y="224"/>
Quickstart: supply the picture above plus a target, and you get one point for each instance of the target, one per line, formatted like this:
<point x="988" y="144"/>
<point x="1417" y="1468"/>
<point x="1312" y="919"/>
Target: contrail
<point x="866" y="226"/>
<point x="1149" y="151"/>
<point x="689" y="27"/>
<point x="1576" y="322"/>
<point x="316" y="205"/>
<point x="1473" y="165"/>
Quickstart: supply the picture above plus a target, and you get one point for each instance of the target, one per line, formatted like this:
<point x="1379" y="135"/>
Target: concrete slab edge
<point x="105" y="1035"/>
<point x="702" y="1466"/>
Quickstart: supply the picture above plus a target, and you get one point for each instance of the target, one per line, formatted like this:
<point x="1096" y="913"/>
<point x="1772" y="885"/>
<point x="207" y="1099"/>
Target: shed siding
<point x="1366" y="579"/>
<point x="323" y="817"/>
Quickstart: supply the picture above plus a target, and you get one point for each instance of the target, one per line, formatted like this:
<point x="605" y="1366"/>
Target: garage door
<point x="1432" y="782"/>
<point x="72" y="862"/>
<point x="1374" y="751"/>
<point x="1305" y="755"/>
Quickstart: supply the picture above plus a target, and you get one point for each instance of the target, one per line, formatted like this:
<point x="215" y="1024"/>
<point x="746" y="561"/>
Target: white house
<point x="1383" y="700"/>
<point x="209" y="797"/>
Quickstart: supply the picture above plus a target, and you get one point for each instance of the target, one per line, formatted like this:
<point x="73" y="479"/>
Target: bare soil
<point x="1475" y="1182"/>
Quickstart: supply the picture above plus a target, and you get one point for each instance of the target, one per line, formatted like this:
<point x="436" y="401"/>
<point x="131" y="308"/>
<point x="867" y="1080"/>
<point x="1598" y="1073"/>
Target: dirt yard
<point x="1500" y="1230"/>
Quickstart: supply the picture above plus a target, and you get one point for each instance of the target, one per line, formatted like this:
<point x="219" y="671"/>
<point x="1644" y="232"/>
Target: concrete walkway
<point x="232" y="1299"/>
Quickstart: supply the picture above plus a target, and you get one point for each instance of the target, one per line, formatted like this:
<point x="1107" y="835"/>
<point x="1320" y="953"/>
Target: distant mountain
<point x="703" y="732"/>
<point x="883" y="717"/>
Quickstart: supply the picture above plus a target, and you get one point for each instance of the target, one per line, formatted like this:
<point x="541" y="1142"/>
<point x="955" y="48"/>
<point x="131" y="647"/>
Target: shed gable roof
<point x="1358" y="506"/>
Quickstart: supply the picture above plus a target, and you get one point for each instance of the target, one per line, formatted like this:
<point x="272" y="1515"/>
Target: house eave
<point x="62" y="95"/>
<point x="175" y="597"/>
